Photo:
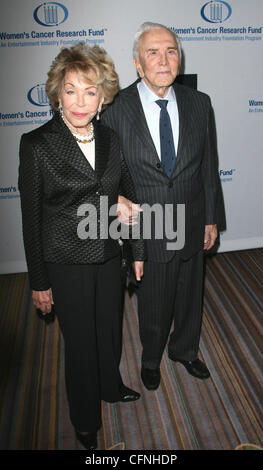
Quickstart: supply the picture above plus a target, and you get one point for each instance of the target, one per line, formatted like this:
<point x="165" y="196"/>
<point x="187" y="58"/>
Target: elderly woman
<point x="70" y="161"/>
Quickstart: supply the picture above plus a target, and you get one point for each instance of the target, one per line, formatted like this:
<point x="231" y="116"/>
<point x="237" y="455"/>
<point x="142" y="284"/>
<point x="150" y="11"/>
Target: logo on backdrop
<point x="216" y="12"/>
<point x="227" y="175"/>
<point x="255" y="106"/>
<point x="37" y="95"/>
<point x="50" y="14"/>
<point x="9" y="192"/>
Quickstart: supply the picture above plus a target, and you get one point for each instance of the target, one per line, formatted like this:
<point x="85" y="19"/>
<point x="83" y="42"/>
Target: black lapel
<point x="185" y="119"/>
<point x="182" y="110"/>
<point x="133" y="109"/>
<point x="64" y="144"/>
<point x="102" y="148"/>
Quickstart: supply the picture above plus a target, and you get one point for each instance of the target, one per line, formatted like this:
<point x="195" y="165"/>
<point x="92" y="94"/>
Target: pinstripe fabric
<point x="194" y="181"/>
<point x="169" y="301"/>
<point x="187" y="314"/>
<point x="160" y="279"/>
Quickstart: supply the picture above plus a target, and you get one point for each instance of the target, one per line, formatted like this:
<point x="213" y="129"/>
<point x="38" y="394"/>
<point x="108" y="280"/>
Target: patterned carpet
<point x="184" y="413"/>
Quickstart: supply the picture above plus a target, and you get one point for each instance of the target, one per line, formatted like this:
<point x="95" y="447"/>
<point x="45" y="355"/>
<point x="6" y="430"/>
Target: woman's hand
<point x="43" y="300"/>
<point x="138" y="269"/>
<point x="127" y="211"/>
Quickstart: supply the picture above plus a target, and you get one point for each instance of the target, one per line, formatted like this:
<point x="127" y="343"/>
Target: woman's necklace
<point x="82" y="138"/>
<point x="85" y="138"/>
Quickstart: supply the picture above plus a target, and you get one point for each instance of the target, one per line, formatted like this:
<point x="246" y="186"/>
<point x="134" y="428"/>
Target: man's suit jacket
<point x="194" y="181"/>
<point x="55" y="178"/>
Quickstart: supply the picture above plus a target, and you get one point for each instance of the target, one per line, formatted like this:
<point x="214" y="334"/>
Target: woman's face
<point x="80" y="100"/>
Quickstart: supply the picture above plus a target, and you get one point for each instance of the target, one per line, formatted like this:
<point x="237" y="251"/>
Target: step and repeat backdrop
<point x="222" y="44"/>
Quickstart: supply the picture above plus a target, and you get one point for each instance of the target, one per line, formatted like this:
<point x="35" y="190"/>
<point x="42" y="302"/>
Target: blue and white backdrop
<point x="222" y="43"/>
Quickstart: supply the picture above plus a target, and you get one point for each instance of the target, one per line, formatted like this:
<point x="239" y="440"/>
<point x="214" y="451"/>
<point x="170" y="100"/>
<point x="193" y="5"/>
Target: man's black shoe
<point x="151" y="378"/>
<point x="196" y="368"/>
<point x="127" y="394"/>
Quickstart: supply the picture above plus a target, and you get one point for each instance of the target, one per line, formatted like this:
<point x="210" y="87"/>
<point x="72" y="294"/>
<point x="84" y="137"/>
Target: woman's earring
<point x="98" y="114"/>
<point x="60" y="109"/>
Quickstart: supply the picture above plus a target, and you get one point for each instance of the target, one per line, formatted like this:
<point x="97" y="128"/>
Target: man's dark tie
<point x="168" y="154"/>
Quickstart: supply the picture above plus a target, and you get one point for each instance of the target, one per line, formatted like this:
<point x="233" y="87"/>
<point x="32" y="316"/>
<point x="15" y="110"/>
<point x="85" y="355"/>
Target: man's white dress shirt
<point x="152" y="113"/>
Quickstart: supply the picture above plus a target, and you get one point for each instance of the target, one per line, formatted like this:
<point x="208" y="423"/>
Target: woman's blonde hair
<point x="85" y="60"/>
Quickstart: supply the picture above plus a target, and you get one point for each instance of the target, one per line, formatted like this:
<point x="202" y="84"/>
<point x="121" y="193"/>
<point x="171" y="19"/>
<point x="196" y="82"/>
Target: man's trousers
<point x="170" y="292"/>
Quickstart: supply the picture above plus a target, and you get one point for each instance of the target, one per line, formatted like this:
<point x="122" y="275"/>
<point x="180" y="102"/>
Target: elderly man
<point x="167" y="136"/>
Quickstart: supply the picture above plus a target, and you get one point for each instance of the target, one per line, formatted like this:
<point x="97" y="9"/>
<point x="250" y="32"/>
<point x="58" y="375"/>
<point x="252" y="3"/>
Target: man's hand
<point x="138" y="269"/>
<point x="210" y="236"/>
<point x="43" y="300"/>
<point x="127" y="211"/>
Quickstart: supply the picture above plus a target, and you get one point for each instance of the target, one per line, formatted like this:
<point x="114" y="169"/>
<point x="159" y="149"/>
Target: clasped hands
<point x="128" y="213"/>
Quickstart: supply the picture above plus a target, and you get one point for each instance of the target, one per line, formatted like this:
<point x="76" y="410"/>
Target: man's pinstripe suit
<point x="172" y="284"/>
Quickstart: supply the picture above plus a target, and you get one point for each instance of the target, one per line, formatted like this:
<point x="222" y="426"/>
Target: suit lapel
<point x="185" y="124"/>
<point x="182" y="111"/>
<point x="133" y="109"/>
<point x="102" y="148"/>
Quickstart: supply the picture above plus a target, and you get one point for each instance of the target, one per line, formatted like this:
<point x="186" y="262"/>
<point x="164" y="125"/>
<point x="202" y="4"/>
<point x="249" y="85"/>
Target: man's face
<point x="158" y="62"/>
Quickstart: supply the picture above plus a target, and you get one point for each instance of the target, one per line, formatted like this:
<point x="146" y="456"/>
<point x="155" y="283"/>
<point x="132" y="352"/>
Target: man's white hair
<point x="147" y="26"/>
